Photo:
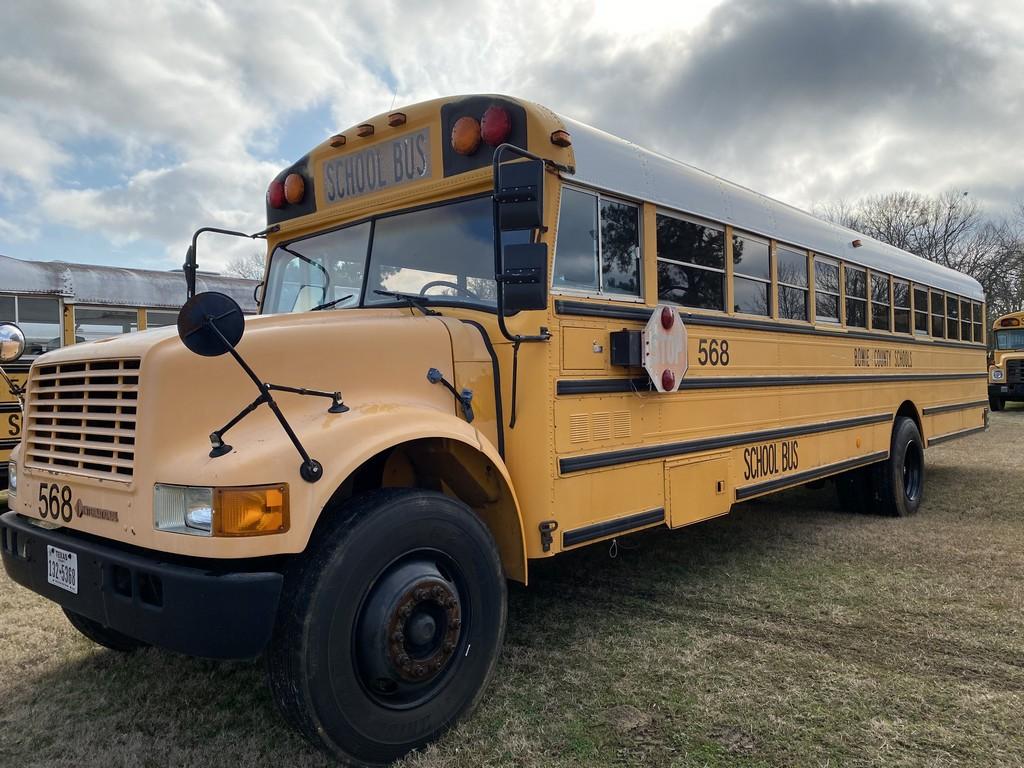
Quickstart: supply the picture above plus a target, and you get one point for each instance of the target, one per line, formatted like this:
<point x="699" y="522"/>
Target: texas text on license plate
<point x="62" y="568"/>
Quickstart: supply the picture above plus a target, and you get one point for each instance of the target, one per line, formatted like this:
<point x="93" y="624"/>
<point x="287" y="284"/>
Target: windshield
<point x="445" y="251"/>
<point x="1010" y="339"/>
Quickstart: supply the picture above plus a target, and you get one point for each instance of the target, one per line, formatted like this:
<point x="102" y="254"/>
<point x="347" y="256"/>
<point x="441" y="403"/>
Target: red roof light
<point x="495" y="125"/>
<point x="275" y="194"/>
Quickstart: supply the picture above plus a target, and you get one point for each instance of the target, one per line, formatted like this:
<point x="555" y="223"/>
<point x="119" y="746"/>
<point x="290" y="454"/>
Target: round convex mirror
<point x="210" y="324"/>
<point x="12" y="342"/>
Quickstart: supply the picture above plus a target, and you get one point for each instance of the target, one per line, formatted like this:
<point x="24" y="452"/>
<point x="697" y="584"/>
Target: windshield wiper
<point x="329" y="304"/>
<point x="410" y="300"/>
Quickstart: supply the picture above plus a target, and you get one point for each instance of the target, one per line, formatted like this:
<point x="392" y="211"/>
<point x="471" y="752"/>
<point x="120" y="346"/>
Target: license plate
<point x="62" y="568"/>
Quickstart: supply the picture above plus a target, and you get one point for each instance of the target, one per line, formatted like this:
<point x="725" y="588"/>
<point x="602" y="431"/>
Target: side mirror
<point x="211" y="324"/>
<point x="525" y="278"/>
<point x="519" y="193"/>
<point x="12" y="342"/>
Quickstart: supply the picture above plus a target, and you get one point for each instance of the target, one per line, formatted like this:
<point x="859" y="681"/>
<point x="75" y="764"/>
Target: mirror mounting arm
<point x="191" y="265"/>
<point x="310" y="470"/>
<point x="14" y="388"/>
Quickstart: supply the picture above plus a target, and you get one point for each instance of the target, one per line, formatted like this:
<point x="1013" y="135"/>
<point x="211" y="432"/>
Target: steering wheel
<point x="447" y="284"/>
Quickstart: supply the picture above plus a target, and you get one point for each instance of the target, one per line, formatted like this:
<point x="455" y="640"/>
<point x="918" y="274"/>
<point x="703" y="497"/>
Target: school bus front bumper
<point x="186" y="605"/>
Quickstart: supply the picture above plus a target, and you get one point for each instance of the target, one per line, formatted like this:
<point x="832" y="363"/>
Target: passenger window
<point x="938" y="315"/>
<point x="880" y="302"/>
<point x="620" y="247"/>
<point x="900" y="306"/>
<point x="920" y="310"/>
<point x="601" y="258"/>
<point x="965" y="320"/>
<point x="752" y="274"/>
<point x="576" y="251"/>
<point x="978" y="336"/>
<point x="856" y="297"/>
<point x="826" y="290"/>
<point x="792" y="284"/>
<point x="952" y="318"/>
<point x="691" y="263"/>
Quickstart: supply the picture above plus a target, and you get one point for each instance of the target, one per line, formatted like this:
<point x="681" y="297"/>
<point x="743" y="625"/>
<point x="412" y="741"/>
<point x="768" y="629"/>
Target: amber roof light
<point x="561" y="138"/>
<point x="466" y="135"/>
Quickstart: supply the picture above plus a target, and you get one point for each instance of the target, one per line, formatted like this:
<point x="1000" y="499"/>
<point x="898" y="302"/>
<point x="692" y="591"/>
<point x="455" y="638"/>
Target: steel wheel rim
<point x="913" y="470"/>
<point x="410" y="630"/>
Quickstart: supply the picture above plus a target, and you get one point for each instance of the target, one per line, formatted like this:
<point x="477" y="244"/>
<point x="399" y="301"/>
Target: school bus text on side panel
<point x="487" y="334"/>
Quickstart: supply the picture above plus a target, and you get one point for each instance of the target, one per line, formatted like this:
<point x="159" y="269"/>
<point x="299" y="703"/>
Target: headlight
<point x="12" y="478"/>
<point x="245" y="511"/>
<point x="996" y="374"/>
<point x="183" y="509"/>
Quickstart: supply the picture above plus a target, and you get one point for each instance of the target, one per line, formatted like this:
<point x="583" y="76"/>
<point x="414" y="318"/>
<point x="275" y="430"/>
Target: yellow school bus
<point x="489" y="334"/>
<point x="58" y="303"/>
<point x="1006" y="361"/>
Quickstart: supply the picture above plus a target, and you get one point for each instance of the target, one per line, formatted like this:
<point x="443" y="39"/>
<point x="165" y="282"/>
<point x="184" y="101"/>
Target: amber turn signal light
<point x="250" y="510"/>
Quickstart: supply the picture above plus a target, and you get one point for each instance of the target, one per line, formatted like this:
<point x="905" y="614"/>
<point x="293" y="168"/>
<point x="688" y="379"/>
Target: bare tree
<point x="249" y="265"/>
<point x="950" y="229"/>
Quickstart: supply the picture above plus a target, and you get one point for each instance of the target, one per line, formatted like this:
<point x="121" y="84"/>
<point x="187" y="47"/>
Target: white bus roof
<point x="619" y="166"/>
<point x="114" y="286"/>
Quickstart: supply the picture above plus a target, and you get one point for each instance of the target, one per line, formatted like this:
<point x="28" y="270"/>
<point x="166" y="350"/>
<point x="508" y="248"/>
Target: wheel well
<point x="909" y="410"/>
<point x="450" y="467"/>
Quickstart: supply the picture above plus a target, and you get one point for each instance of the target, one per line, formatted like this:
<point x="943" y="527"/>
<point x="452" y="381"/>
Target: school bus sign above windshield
<point x="393" y="164"/>
<point x="451" y="396"/>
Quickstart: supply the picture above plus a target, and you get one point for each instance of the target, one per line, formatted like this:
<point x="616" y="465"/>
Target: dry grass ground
<point x="784" y="634"/>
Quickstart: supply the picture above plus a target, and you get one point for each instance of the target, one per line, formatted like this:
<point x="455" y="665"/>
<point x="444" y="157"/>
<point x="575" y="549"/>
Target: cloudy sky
<point x="127" y="124"/>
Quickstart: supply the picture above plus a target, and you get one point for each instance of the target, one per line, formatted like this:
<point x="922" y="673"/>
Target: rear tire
<point x="996" y="403"/>
<point x="897" y="484"/>
<point x="105" y="636"/>
<point x="390" y="626"/>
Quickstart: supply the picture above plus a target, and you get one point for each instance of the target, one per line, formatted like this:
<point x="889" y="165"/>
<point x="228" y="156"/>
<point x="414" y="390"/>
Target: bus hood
<point x="169" y="400"/>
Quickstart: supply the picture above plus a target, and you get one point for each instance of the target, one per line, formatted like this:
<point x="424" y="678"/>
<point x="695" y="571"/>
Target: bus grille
<point x="81" y="418"/>
<point x="1015" y="371"/>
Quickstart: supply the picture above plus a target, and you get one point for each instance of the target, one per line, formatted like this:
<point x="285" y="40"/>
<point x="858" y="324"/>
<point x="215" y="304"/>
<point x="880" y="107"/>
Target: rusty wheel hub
<point x="424" y="629"/>
<point x="409" y="628"/>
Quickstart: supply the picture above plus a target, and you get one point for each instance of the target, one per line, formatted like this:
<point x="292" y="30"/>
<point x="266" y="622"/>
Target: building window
<point x="39" y="318"/>
<point x="938" y="315"/>
<point x="792" y="266"/>
<point x="978" y="325"/>
<point x="952" y="318"/>
<point x="856" y="297"/>
<point x="826" y="290"/>
<point x="691" y="263"/>
<point x="95" y="324"/>
<point x="965" y="320"/>
<point x="598" y="247"/>
<point x="155" y="318"/>
<point x="880" y="302"/>
<point x="752" y="275"/>
<point x="900" y="306"/>
<point x="920" y="310"/>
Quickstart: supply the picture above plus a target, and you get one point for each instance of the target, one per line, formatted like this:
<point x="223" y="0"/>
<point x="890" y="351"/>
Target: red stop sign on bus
<point x="665" y="347"/>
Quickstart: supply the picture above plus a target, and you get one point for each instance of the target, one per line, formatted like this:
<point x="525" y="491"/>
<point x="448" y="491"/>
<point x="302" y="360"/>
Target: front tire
<point x="995" y="403"/>
<point x="390" y="627"/>
<point x="105" y="636"/>
<point x="897" y="484"/>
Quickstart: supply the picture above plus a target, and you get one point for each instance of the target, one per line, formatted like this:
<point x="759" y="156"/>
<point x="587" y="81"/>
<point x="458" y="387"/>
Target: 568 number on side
<point x="713" y="352"/>
<point x="55" y="502"/>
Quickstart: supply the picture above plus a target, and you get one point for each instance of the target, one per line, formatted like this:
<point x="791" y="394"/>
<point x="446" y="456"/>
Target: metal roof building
<point x="115" y="286"/>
